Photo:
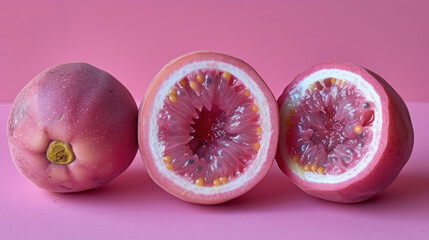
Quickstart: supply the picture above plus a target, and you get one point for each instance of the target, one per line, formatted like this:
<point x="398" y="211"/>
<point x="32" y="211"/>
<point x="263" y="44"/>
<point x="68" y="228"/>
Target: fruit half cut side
<point x="339" y="127"/>
<point x="207" y="128"/>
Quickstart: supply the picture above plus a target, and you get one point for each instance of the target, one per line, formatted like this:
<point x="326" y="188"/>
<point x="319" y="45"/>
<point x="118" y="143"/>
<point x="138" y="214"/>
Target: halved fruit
<point x="208" y="128"/>
<point x="345" y="133"/>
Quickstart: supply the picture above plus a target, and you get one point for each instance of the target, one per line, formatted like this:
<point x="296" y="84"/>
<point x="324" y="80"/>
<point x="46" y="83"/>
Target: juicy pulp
<point x="330" y="128"/>
<point x="209" y="128"/>
<point x="386" y="126"/>
<point x="300" y="96"/>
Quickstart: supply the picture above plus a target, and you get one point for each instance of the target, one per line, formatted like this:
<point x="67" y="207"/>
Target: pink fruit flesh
<point x="330" y="127"/>
<point x="345" y="133"/>
<point x="208" y="128"/>
<point x="72" y="128"/>
<point x="210" y="131"/>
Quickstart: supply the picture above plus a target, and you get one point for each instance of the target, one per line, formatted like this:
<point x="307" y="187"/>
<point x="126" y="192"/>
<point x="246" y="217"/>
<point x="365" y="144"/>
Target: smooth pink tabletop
<point x="134" y="207"/>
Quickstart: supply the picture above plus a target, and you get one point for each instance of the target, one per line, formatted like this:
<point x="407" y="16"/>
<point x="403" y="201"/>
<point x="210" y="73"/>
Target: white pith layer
<point x="298" y="93"/>
<point x="157" y="148"/>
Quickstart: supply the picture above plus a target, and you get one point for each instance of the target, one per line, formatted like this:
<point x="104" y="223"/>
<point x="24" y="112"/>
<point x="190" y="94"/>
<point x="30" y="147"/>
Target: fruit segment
<point x="209" y="125"/>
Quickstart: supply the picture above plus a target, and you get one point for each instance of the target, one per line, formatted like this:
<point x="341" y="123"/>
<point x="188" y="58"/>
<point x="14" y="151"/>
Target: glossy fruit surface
<point x="72" y="128"/>
<point x="345" y="133"/>
<point x="208" y="128"/>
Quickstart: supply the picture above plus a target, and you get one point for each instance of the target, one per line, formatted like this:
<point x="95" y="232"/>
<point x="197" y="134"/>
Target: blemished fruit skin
<point x="82" y="106"/>
<point x="392" y="154"/>
<point x="214" y="196"/>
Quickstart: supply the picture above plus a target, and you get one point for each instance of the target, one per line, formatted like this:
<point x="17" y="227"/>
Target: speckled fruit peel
<point x="72" y="128"/>
<point x="208" y="128"/>
<point x="345" y="134"/>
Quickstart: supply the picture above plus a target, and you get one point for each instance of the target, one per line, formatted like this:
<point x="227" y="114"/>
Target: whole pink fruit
<point x="73" y="128"/>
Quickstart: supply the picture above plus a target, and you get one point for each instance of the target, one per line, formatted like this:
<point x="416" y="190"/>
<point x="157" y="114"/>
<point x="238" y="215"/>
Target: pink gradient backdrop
<point x="133" y="39"/>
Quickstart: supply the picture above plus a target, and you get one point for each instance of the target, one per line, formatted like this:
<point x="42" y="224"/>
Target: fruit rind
<point x="83" y="106"/>
<point x="393" y="151"/>
<point x="151" y="149"/>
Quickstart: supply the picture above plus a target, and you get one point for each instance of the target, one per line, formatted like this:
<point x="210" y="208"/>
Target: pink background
<point x="134" y="39"/>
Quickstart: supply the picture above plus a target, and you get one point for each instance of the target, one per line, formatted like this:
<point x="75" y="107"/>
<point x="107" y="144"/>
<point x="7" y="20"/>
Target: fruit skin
<point x="81" y="105"/>
<point x="144" y="133"/>
<point x="395" y="147"/>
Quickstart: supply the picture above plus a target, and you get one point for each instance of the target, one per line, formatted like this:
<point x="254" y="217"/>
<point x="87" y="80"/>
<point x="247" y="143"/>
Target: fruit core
<point x="60" y="152"/>
<point x="210" y="128"/>
<point x="330" y="128"/>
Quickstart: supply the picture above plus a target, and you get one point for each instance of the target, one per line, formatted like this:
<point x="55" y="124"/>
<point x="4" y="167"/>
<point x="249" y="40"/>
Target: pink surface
<point x="133" y="207"/>
<point x="133" y="39"/>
